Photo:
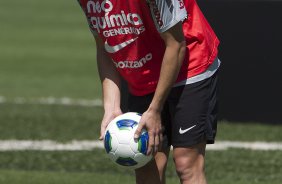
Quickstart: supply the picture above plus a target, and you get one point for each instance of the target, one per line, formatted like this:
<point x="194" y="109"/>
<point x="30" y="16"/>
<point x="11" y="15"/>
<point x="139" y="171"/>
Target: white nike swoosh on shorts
<point x="185" y="130"/>
<point x="116" y="48"/>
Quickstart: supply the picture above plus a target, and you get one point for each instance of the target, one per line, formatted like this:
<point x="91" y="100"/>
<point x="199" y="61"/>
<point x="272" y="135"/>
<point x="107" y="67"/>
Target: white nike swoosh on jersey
<point x="115" y="48"/>
<point x="185" y="130"/>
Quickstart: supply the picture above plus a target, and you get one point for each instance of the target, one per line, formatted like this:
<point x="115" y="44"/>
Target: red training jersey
<point x="130" y="30"/>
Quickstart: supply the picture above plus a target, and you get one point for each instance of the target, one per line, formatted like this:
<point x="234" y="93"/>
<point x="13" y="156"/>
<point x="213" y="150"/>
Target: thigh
<point x="193" y="109"/>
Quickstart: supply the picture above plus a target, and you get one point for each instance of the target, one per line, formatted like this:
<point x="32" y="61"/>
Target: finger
<point x="151" y="143"/>
<point x="156" y="144"/>
<point x="101" y="137"/>
<point x="102" y="133"/>
<point x="161" y="142"/>
<point x="138" y="131"/>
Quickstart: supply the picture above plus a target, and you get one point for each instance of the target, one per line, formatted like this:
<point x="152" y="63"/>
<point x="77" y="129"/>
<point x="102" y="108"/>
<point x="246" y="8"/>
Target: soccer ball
<point x="120" y="144"/>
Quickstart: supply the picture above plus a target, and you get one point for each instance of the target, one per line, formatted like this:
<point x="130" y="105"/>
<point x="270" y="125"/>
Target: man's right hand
<point x="151" y="120"/>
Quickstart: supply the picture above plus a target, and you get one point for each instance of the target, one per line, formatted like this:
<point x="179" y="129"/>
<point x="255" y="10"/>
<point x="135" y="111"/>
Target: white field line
<point x="48" y="145"/>
<point x="88" y="145"/>
<point x="52" y="101"/>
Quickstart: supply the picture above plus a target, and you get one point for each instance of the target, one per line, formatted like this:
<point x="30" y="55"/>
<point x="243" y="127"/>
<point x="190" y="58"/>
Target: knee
<point x="188" y="165"/>
<point x="189" y="170"/>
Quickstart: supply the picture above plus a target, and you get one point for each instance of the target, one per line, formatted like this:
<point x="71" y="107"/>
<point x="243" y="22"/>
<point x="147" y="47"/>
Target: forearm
<point x="110" y="80"/>
<point x="111" y="96"/>
<point x="171" y="65"/>
<point x="172" y="61"/>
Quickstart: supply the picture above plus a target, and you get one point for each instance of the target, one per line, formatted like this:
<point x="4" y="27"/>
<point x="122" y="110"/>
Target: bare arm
<point x="172" y="61"/>
<point x="110" y="80"/>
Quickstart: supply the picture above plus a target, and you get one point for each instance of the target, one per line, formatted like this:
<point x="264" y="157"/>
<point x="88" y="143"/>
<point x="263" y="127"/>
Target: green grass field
<point x="46" y="50"/>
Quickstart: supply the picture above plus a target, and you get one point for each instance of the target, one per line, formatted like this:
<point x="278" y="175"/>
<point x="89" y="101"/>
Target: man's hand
<point x="151" y="120"/>
<point x="108" y="117"/>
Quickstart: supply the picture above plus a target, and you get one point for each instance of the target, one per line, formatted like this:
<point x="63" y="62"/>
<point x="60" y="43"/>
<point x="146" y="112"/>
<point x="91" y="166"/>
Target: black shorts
<point x="189" y="116"/>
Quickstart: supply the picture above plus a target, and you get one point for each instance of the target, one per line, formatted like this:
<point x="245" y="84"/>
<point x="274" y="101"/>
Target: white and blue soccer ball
<point x="120" y="144"/>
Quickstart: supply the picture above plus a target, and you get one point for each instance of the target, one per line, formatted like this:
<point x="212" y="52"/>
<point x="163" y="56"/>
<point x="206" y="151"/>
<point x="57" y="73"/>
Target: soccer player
<point x="166" y="51"/>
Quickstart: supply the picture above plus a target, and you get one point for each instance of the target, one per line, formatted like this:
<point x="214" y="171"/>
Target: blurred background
<point x="250" y="51"/>
<point x="50" y="91"/>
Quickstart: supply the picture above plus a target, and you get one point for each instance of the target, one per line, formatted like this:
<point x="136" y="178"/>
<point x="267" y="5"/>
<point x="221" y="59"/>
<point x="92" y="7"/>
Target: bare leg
<point x="189" y="163"/>
<point x="153" y="172"/>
